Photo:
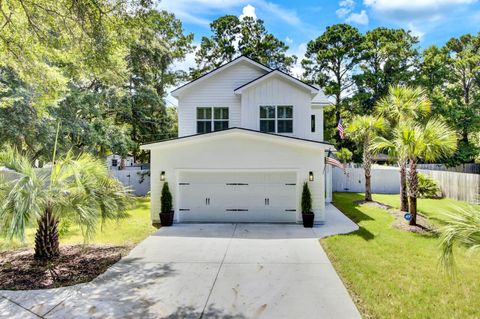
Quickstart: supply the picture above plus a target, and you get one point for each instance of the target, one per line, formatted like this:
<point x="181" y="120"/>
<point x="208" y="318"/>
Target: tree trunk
<point x="46" y="238"/>
<point x="413" y="190"/>
<point x="367" y="166"/>
<point x="403" y="186"/>
<point x="413" y="210"/>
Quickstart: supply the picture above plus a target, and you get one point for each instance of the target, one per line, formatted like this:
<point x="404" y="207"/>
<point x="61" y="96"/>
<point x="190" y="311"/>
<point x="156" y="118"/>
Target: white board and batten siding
<point x="277" y="91"/>
<point x="215" y="91"/>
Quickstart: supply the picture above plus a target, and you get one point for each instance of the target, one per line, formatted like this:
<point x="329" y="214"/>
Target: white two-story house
<point x="248" y="138"/>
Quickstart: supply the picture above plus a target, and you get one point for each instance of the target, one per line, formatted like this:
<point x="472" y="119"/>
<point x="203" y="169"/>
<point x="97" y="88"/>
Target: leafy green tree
<point x="47" y="42"/>
<point x="329" y="62"/>
<point x="232" y="36"/>
<point x="363" y="129"/>
<point x="451" y="76"/>
<point x="416" y="142"/>
<point x="388" y="57"/>
<point x="433" y="69"/>
<point x="344" y="155"/>
<point x="161" y="43"/>
<point x="78" y="189"/>
<point x="98" y="116"/>
<point x="403" y="104"/>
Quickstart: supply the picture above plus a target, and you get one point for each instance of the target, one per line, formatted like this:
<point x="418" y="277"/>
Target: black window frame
<point x="213" y="119"/>
<point x="276" y="122"/>
<point x="313" y="123"/>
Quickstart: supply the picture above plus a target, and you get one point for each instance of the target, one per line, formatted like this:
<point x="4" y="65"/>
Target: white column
<point x="328" y="184"/>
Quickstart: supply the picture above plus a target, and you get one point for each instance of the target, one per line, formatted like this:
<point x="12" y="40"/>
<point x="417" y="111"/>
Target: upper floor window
<point x="211" y="119"/>
<point x="312" y="123"/>
<point x="276" y="118"/>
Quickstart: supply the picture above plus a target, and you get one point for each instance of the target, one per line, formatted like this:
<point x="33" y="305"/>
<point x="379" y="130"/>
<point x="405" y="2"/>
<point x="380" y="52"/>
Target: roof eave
<point x="297" y="140"/>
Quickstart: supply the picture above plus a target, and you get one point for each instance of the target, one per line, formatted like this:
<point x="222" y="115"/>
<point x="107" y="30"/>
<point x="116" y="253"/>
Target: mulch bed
<point x="422" y="227"/>
<point x="76" y="264"/>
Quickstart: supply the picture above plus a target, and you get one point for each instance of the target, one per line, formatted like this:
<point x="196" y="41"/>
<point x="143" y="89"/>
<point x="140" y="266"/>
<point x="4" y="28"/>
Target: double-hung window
<point x="276" y="118"/>
<point x="211" y="119"/>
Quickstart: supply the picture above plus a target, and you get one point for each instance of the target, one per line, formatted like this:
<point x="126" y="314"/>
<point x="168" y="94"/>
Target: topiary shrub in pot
<point x="166" y="213"/>
<point x="307" y="215"/>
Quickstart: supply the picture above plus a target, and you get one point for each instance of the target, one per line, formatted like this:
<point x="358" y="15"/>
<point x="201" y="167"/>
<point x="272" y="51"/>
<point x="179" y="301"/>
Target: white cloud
<point x="193" y="11"/>
<point x="346" y="6"/>
<point x="415" y="31"/>
<point x="248" y="11"/>
<point x="346" y="12"/>
<point x="358" y="18"/>
<point x="405" y="10"/>
<point x="288" y="40"/>
<point x="299" y="51"/>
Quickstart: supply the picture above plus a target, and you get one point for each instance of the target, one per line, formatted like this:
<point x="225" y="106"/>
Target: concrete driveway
<point x="207" y="271"/>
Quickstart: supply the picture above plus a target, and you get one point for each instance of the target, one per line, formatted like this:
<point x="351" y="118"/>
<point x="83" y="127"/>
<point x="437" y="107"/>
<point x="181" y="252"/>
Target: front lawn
<point x="393" y="273"/>
<point x="126" y="232"/>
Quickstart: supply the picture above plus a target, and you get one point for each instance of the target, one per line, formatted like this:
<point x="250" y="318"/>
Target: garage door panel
<point x="237" y="196"/>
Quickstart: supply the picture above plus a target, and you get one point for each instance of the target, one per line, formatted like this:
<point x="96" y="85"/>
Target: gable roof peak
<point x="221" y="68"/>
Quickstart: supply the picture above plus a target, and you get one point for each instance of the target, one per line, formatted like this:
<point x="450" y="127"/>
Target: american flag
<point x="334" y="162"/>
<point x="340" y="128"/>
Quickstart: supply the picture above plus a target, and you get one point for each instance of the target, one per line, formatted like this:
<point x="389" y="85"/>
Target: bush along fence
<point x="386" y="180"/>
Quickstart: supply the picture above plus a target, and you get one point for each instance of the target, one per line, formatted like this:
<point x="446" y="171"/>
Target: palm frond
<point x="462" y="228"/>
<point x="22" y="198"/>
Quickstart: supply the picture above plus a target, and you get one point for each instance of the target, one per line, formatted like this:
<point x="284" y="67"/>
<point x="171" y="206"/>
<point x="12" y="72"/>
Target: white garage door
<point x="237" y="197"/>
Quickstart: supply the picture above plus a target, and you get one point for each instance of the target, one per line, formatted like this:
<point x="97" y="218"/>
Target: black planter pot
<point x="166" y="219"/>
<point x="308" y="220"/>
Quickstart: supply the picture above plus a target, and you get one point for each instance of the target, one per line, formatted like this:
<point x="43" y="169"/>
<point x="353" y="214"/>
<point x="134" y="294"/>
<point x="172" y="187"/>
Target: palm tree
<point x="76" y="188"/>
<point x="402" y="104"/>
<point x="416" y="142"/>
<point x="363" y="130"/>
<point x="462" y="227"/>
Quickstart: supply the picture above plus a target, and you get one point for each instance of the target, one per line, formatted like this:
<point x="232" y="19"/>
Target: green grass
<point x="394" y="274"/>
<point x="125" y="232"/>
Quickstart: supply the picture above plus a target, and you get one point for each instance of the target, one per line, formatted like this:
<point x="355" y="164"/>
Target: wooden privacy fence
<point x="386" y="180"/>
<point x="460" y="186"/>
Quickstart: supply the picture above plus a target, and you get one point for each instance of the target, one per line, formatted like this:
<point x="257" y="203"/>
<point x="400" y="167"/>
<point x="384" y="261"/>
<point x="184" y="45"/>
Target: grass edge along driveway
<point x="125" y="232"/>
<point x="394" y="274"/>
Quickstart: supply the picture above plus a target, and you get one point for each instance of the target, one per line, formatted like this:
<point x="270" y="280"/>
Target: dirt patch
<point x="372" y="203"/>
<point x="76" y="264"/>
<point x="422" y="227"/>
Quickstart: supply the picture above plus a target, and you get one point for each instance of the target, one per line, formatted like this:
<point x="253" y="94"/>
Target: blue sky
<point x="297" y="21"/>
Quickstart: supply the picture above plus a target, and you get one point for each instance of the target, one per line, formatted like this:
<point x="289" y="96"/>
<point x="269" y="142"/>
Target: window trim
<point x="276" y="119"/>
<point x="212" y="120"/>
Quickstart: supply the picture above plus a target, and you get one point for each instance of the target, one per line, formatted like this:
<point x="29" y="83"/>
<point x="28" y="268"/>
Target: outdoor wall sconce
<point x="310" y="176"/>
<point x="162" y="176"/>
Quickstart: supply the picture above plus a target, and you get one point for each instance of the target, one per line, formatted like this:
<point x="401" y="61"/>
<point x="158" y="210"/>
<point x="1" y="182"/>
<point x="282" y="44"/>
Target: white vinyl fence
<point x="137" y="180"/>
<point x="386" y="180"/>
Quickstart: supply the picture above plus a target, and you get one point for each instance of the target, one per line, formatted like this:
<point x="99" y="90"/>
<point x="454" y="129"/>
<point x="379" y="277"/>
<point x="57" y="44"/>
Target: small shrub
<point x="428" y="187"/>
<point x="344" y="155"/>
<point x="306" y="199"/>
<point x="166" y="199"/>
